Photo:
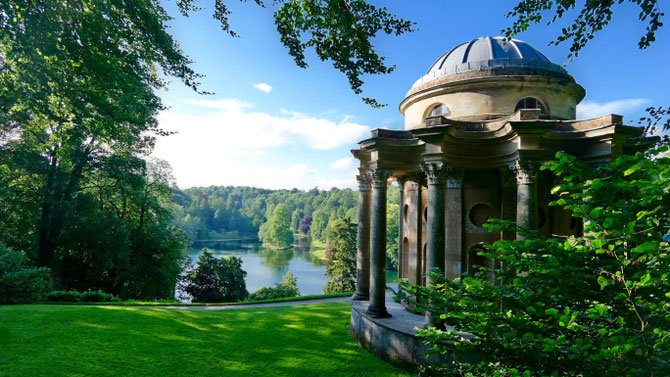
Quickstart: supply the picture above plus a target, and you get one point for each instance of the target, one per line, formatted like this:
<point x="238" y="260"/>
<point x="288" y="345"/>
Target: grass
<point x="177" y="303"/>
<point x="321" y="254"/>
<point x="312" y="340"/>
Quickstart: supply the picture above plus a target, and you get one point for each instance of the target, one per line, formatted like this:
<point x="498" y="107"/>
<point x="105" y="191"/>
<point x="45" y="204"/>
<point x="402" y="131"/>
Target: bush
<point x="287" y="288"/>
<point x="63" y="296"/>
<point x="593" y="306"/>
<point x="21" y="283"/>
<point x="74" y="296"/>
<point x="216" y="279"/>
<point x="341" y="254"/>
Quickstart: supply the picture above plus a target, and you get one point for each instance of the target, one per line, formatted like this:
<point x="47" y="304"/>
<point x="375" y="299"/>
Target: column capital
<point x="435" y="172"/>
<point x="454" y="177"/>
<point x="364" y="182"/>
<point x="379" y="177"/>
<point x="525" y="171"/>
<point x="507" y="177"/>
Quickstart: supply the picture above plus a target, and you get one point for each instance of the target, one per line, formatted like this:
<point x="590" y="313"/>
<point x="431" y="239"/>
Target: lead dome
<point x="490" y="78"/>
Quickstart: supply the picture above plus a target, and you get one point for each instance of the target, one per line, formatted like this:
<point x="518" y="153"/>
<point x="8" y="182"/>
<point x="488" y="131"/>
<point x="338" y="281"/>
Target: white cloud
<point x="342" y="163"/>
<point x="347" y="181"/>
<point x="232" y="144"/>
<point x="588" y="109"/>
<point x="227" y="104"/>
<point x="263" y="87"/>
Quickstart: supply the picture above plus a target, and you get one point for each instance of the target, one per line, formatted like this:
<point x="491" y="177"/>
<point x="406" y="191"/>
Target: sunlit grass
<point x="310" y="340"/>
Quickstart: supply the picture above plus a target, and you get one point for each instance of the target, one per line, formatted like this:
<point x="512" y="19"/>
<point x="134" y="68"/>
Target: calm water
<point x="266" y="267"/>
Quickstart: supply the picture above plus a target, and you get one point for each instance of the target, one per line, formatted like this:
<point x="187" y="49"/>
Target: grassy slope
<point x="311" y="340"/>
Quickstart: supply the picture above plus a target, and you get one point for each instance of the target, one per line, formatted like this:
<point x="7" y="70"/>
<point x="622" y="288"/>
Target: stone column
<point x="435" y="175"/>
<point x="363" y="251"/>
<point x="454" y="222"/>
<point x="401" y="227"/>
<point x="526" y="195"/>
<point x="377" y="308"/>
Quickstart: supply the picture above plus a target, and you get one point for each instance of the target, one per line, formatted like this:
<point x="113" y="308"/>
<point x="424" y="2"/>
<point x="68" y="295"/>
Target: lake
<point x="266" y="267"/>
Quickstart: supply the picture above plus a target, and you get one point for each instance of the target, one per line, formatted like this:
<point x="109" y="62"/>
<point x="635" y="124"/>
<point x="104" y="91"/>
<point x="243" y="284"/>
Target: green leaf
<point x="631" y="170"/>
<point x="645" y="279"/>
<point x="645" y="247"/>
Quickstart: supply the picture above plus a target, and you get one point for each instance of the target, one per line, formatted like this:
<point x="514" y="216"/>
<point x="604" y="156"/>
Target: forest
<point x="228" y="212"/>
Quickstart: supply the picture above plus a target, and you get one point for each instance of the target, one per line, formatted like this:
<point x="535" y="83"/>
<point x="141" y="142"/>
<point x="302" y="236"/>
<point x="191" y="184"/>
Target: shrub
<point x="592" y="305"/>
<point x="20" y="282"/>
<point x="287" y="288"/>
<point x="74" y="296"/>
<point x="63" y="296"/>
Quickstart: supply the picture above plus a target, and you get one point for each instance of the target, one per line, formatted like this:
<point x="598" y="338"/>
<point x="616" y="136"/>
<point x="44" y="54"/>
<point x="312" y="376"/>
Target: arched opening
<point x="425" y="213"/>
<point x="405" y="257"/>
<point x="405" y="213"/>
<point x="531" y="103"/>
<point x="423" y="264"/>
<point x="438" y="110"/>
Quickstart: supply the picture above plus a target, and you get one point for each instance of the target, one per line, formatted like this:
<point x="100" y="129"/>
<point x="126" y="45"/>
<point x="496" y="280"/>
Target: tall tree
<point x="341" y="271"/>
<point x="279" y="231"/>
<point x="78" y="85"/>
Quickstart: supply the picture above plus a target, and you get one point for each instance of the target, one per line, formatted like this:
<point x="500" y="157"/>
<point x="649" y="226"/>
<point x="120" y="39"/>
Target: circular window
<point x="479" y="214"/>
<point x="405" y="212"/>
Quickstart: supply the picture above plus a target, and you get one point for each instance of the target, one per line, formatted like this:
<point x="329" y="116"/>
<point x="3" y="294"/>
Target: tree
<point x="318" y="228"/>
<point x="305" y="223"/>
<point x="279" y="232"/>
<point x="593" y="17"/>
<point x="340" y="31"/>
<point x="593" y="305"/>
<point x="76" y="94"/>
<point x="392" y="236"/>
<point x="295" y="219"/>
<point x="341" y="270"/>
<point x="216" y="279"/>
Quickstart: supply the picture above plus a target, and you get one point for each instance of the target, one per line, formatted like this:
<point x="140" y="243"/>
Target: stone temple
<point x="478" y="125"/>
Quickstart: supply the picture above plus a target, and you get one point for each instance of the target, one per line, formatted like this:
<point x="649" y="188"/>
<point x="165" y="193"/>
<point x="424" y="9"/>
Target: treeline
<point x="218" y="212"/>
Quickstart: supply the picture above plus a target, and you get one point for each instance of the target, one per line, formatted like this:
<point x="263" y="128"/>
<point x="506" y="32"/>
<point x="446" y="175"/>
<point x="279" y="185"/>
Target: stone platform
<point x="391" y="339"/>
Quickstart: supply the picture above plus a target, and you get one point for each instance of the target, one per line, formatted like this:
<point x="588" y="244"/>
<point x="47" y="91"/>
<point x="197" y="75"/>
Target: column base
<point x="378" y="313"/>
<point x="361" y="297"/>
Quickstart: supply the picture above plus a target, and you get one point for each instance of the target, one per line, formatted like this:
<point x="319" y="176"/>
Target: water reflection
<point x="265" y="266"/>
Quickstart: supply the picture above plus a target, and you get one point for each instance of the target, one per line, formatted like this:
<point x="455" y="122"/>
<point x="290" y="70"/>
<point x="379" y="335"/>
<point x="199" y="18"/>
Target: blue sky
<point x="271" y="124"/>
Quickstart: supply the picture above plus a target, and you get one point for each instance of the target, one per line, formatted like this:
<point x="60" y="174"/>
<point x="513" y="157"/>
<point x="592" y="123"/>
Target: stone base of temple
<point x="392" y="339"/>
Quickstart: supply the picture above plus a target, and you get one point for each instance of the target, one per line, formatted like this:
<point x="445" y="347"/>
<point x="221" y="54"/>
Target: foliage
<point x="305" y="224"/>
<point x="211" y="212"/>
<point x="109" y="341"/>
<point x="20" y="282"/>
<point x="287" y="288"/>
<point x="392" y="213"/>
<point x="216" y="279"/>
<point x="593" y="17"/>
<point x="279" y="232"/>
<point x="77" y="118"/>
<point x="340" y="31"/>
<point x="319" y="224"/>
<point x="594" y="305"/>
<point x="295" y="220"/>
<point x="341" y="269"/>
<point x="74" y="296"/>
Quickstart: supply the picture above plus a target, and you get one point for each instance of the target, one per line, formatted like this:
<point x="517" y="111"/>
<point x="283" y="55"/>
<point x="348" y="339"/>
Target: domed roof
<point x="489" y="53"/>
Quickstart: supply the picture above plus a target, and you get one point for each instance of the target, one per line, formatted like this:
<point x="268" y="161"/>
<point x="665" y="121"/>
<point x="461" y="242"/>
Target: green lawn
<point x="308" y="340"/>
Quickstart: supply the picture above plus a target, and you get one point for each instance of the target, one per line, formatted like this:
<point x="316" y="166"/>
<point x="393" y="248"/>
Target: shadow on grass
<point x="309" y="340"/>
